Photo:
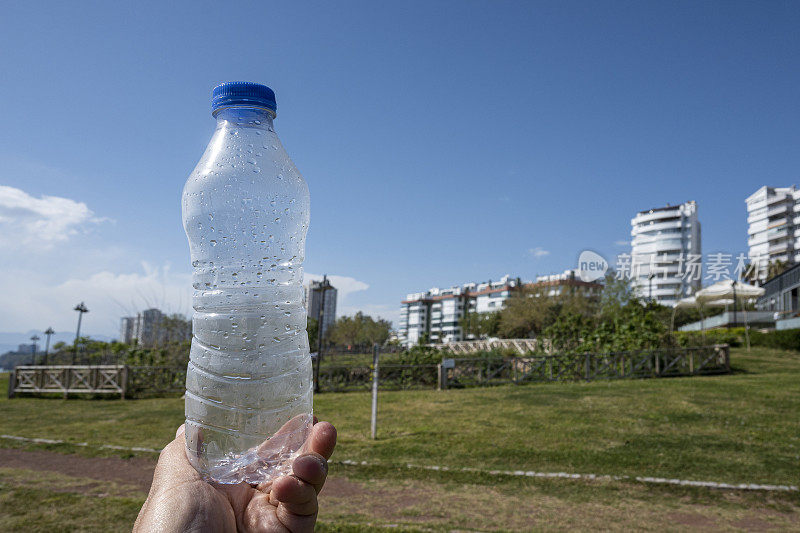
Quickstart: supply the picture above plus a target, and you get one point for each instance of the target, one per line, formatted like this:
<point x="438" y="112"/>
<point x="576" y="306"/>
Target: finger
<point x="322" y="440"/>
<point x="311" y="468"/>
<point x="181" y="430"/>
<point x="295" y="496"/>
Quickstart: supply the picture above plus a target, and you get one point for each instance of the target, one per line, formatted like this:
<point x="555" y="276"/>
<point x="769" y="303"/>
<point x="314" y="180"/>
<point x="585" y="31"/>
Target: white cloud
<point x="538" y="252"/>
<point x="39" y="223"/>
<point x="46" y="302"/>
<point x="108" y="295"/>
<point x="345" y="285"/>
<point x="622" y="243"/>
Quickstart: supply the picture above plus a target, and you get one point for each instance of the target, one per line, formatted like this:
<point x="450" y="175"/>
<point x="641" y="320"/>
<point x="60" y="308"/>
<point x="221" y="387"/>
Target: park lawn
<point x="48" y="501"/>
<point x="739" y="428"/>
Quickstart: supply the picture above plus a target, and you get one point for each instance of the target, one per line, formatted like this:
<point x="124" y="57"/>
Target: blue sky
<point x="443" y="142"/>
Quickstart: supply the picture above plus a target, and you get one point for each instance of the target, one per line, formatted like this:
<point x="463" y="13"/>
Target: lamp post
<point x="48" y="332"/>
<point x="35" y="338"/>
<point x="733" y="286"/>
<point x="650" y="277"/>
<point x="80" y="308"/>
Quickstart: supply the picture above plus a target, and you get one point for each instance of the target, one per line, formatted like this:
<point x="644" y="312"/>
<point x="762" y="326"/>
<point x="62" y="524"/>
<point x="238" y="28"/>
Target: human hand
<point x="180" y="500"/>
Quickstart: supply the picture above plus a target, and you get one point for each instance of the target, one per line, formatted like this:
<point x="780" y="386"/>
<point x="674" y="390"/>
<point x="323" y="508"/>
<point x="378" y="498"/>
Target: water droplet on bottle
<point x="213" y="242"/>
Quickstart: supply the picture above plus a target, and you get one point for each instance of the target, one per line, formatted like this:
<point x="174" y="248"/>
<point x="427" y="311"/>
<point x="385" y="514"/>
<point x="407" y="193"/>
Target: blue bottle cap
<point x="243" y="93"/>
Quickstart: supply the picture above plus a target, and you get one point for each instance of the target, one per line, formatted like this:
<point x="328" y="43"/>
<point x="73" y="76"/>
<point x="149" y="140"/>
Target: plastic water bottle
<point x="245" y="212"/>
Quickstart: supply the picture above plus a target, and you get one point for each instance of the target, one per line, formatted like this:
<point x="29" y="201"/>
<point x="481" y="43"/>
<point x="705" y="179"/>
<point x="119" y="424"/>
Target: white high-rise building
<point x="665" y="252"/>
<point x="773" y="233"/>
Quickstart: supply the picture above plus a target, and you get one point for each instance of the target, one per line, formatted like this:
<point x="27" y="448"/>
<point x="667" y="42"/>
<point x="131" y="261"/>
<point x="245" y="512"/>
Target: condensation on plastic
<point x="249" y="381"/>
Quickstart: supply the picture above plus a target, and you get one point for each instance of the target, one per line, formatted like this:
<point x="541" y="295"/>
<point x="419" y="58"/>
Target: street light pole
<point x="80" y="308"/>
<point x="48" y="332"/>
<point x="650" y="277"/>
<point x="35" y="338"/>
<point x="733" y="286"/>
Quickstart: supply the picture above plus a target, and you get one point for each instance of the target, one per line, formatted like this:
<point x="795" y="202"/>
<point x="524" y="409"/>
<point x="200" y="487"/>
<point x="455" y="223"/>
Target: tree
<point x="312" y="327"/>
<point x="480" y="325"/>
<point x="360" y="329"/>
<point x="776" y="267"/>
<point x="617" y="293"/>
<point x="530" y="310"/>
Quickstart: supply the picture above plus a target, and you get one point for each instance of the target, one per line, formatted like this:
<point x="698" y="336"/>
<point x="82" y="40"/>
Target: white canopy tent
<point x="691" y="301"/>
<point x="728" y="290"/>
<point x="723" y="292"/>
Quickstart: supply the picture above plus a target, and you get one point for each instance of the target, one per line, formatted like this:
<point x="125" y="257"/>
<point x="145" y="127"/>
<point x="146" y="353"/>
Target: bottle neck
<point x="248" y="117"/>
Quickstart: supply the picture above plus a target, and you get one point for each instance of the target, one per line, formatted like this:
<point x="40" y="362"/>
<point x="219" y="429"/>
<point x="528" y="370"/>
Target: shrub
<point x="786" y="339"/>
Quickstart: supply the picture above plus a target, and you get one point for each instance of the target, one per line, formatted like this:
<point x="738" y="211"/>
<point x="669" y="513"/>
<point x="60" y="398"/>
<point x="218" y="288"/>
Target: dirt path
<point x="136" y="471"/>
<point x="378" y="501"/>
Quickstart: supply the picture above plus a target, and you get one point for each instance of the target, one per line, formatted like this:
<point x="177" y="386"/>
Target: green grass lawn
<point x="743" y="427"/>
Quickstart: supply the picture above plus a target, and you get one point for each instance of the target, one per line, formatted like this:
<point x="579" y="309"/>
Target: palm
<point x="180" y="500"/>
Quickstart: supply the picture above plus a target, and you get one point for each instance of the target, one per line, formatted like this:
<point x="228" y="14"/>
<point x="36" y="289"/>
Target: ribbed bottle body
<point x="249" y="380"/>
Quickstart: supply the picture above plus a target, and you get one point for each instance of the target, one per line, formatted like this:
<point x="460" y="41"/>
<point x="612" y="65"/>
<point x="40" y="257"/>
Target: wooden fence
<point x="140" y="381"/>
<point x="470" y="372"/>
<point x="68" y="379"/>
<point x="126" y="381"/>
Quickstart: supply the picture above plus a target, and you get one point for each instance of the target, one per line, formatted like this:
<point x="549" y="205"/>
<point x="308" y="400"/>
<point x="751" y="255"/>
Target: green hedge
<point x="787" y="339"/>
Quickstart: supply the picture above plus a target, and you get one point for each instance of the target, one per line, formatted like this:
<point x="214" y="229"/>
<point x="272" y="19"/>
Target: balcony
<point x="777" y="233"/>
<point x="779" y="247"/>
<point x="657" y="215"/>
<point x="777" y="222"/>
<point x="772" y="200"/>
<point x="650" y="228"/>
<point x="779" y="210"/>
<point x="659" y="246"/>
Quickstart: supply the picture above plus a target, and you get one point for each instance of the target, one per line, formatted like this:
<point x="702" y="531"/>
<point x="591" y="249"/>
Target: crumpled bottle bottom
<point x="268" y="461"/>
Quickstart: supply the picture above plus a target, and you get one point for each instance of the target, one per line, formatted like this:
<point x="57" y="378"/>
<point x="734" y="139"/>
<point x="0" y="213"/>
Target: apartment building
<point x="773" y="232"/>
<point x="151" y="327"/>
<point x="665" y="240"/>
<point x="569" y="280"/>
<point x="321" y="293"/>
<point x="435" y="315"/>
